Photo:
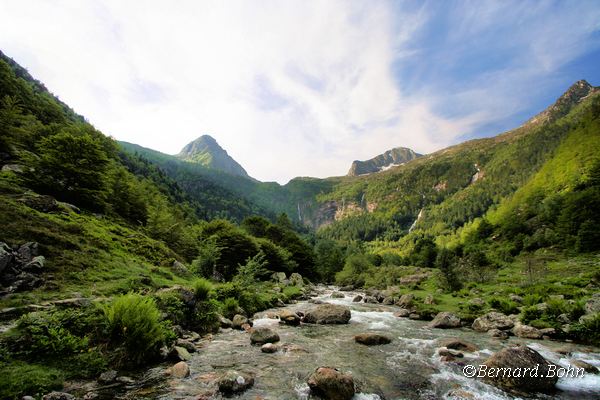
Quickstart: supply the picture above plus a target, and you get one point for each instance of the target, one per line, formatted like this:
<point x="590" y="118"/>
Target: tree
<point x="329" y="259"/>
<point x="71" y="166"/>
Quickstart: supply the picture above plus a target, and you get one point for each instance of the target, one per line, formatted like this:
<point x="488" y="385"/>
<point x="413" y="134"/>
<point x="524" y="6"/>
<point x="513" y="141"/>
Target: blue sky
<point x="302" y="88"/>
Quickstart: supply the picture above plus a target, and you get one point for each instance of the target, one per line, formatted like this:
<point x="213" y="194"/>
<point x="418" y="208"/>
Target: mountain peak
<point x="390" y="158"/>
<point x="206" y="151"/>
<point x="577" y="92"/>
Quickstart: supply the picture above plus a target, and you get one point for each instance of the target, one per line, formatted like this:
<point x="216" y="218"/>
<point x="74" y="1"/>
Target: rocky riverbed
<point x="414" y="365"/>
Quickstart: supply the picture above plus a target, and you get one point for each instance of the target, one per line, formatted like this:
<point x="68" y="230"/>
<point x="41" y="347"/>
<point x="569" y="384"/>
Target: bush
<point x="292" y="292"/>
<point x="529" y="314"/>
<point x="505" y="306"/>
<point x="587" y="331"/>
<point x="205" y="317"/>
<point x="230" y="307"/>
<point x="134" y="323"/>
<point x="202" y="289"/>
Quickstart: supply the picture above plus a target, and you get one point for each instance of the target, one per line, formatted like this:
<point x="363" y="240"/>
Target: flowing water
<point x="407" y="368"/>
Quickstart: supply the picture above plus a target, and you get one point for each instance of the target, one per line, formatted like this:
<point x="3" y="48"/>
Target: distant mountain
<point x="206" y="151"/>
<point x="390" y="158"/>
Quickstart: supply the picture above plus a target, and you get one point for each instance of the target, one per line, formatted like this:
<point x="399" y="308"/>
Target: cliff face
<point x="390" y="158"/>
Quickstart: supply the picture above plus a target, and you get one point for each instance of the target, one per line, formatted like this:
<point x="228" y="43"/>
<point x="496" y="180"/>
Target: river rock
<point x="107" y="377"/>
<point x="492" y="320"/>
<point x="180" y="353"/>
<point x="289" y="317"/>
<point x="357" y="299"/>
<point x="328" y="314"/>
<point x="587" y="367"/>
<point x="388" y="301"/>
<point x="232" y="382"/>
<point x="458" y="344"/>
<point x="445" y="352"/>
<point x="370" y="300"/>
<point x="347" y="288"/>
<point x="296" y="279"/>
<point x="445" y="320"/>
<point x="331" y="384"/>
<point x="372" y="339"/>
<point x="337" y="295"/>
<point x="268" y="348"/>
<point x="279" y="277"/>
<point x="239" y="320"/>
<point x="520" y="357"/>
<point x="402" y="313"/>
<point x="406" y="300"/>
<point x="263" y="335"/>
<point x="225" y="322"/>
<point x="498" y="334"/>
<point x="415" y="316"/>
<point x="179" y="370"/>
<point x="526" y="331"/>
<point x="189" y="346"/>
<point x="58" y="396"/>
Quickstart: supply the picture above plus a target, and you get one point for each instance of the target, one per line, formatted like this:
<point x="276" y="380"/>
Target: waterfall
<point x="416" y="220"/>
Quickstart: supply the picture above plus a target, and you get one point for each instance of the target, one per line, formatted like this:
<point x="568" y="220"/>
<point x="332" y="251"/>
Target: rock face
<point x="372" y="339"/>
<point x="396" y="156"/>
<point x="20" y="268"/>
<point x="492" y="320"/>
<point x="234" y="382"/>
<point x="328" y="314"/>
<point x="521" y="357"/>
<point x="445" y="320"/>
<point x="331" y="384"/>
<point x="263" y="335"/>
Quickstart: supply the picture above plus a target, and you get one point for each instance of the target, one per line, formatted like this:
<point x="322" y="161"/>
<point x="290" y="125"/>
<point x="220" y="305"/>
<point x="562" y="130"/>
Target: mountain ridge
<point x="381" y="162"/>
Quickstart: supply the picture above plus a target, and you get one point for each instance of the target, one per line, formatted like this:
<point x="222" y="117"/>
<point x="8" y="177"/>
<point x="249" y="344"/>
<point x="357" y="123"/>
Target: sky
<point x="303" y="88"/>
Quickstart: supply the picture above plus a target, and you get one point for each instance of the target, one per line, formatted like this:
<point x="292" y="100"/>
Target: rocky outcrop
<point x="21" y="268"/>
<point x="535" y="380"/>
<point x="232" y="382"/>
<point x="444" y="320"/>
<point x="396" y="156"/>
<point x="372" y="339"/>
<point x="263" y="335"/>
<point x="492" y="320"/>
<point x="327" y="314"/>
<point x="331" y="384"/>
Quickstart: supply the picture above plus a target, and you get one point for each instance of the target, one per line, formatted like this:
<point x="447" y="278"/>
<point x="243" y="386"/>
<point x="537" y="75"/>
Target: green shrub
<point x="230" y="307"/>
<point x="540" y="324"/>
<point x="292" y="292"/>
<point x="202" y="289"/>
<point x="587" y="331"/>
<point x="227" y="290"/>
<point x="505" y="306"/>
<point x="529" y="314"/>
<point x="134" y="323"/>
<point x="171" y="305"/>
<point x="205" y="317"/>
<point x="532" y="299"/>
<point x="252" y="301"/>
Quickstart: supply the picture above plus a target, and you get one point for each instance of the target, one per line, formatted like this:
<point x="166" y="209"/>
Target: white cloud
<point x="287" y="88"/>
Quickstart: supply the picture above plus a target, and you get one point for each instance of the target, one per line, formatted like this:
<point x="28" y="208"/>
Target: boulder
<point x="526" y="331"/>
<point x="232" y="382"/>
<point x="592" y="306"/>
<point x="327" y="314"/>
<point x="415" y="316"/>
<point x="263" y="335"/>
<point x="492" y="320"/>
<point x="279" y="277"/>
<point x="337" y="295"/>
<point x="180" y="353"/>
<point x="370" y="300"/>
<point x="445" y="320"/>
<point x="180" y="370"/>
<point x="225" y="323"/>
<point x="268" y="348"/>
<point x="445" y="352"/>
<point x="238" y="321"/>
<point x="477" y="302"/>
<point x="516" y="298"/>
<point x="587" y="367"/>
<point x="331" y="384"/>
<point x="405" y="301"/>
<point x="357" y="299"/>
<point x="388" y="301"/>
<point x="458" y="344"/>
<point x="58" y="396"/>
<point x="189" y="346"/>
<point x="107" y="377"/>
<point x="289" y="317"/>
<point x="520" y="357"/>
<point x="372" y="339"/>
<point x="498" y="334"/>
<point x="402" y="313"/>
<point x="347" y="288"/>
<point x="179" y="268"/>
<point x="429" y="300"/>
<point x="296" y="279"/>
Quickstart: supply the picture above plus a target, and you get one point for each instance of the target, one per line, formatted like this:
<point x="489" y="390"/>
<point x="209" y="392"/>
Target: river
<point x="407" y="368"/>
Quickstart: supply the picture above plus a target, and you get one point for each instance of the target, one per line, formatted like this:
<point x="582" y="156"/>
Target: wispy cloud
<point x="295" y="88"/>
